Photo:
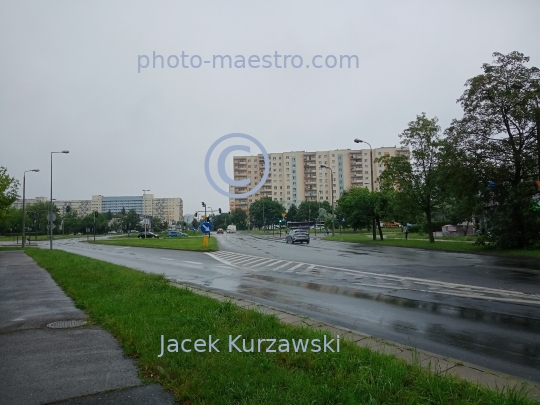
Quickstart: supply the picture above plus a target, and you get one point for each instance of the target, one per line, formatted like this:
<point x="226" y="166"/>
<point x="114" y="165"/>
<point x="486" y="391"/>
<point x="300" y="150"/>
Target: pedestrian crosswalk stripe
<point x="258" y="263"/>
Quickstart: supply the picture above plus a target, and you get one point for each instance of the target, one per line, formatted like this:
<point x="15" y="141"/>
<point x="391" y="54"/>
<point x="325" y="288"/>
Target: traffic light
<point x="95" y="214"/>
<point x="195" y="215"/>
<point x="219" y="210"/>
<point x="68" y="208"/>
<point x="203" y="204"/>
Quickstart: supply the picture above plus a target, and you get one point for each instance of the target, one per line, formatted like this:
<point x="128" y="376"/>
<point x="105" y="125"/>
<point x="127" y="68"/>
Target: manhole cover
<point x="66" y="324"/>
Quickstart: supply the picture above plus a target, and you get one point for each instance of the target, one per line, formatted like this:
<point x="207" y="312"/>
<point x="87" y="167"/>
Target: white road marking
<point x="166" y="258"/>
<point x="283" y="265"/>
<point x="411" y="283"/>
<point x="271" y="264"/>
<point x="186" y="261"/>
<point x="295" y="267"/>
<point x="124" y="247"/>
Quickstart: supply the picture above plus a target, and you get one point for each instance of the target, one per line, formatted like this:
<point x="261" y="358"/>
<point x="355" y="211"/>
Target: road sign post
<point x="206" y="227"/>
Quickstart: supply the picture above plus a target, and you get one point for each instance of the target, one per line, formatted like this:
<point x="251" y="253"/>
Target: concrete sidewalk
<point x="75" y="365"/>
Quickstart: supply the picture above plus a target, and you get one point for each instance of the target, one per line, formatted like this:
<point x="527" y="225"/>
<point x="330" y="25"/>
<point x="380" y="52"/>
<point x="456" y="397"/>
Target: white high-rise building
<point x="297" y="176"/>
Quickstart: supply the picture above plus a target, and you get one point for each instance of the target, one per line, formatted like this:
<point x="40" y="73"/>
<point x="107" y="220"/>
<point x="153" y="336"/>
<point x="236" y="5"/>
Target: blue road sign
<point x="206" y="227"/>
<point x="342" y="219"/>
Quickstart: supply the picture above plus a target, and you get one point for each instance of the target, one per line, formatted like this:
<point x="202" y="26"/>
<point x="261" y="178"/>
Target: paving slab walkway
<point x="42" y="365"/>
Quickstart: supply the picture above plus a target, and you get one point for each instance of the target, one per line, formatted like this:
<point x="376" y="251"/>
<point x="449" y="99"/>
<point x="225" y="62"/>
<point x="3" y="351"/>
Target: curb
<point x="430" y="361"/>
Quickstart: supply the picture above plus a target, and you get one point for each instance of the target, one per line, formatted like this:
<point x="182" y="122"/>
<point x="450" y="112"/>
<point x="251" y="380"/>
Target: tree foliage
<point x="8" y="190"/>
<point x="265" y="212"/>
<point x="418" y="180"/>
<point x="311" y="210"/>
<point x="498" y="138"/>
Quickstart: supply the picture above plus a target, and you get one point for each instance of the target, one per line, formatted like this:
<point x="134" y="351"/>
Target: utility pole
<point x="23" y="207"/>
<point x="372" y="187"/>
<point x="144" y="211"/>
<point x="332" y="186"/>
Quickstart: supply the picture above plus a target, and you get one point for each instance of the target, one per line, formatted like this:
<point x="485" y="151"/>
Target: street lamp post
<point x="50" y="206"/>
<point x="144" y="211"/>
<point x="23" y="206"/>
<point x="332" y="187"/>
<point x="372" y="188"/>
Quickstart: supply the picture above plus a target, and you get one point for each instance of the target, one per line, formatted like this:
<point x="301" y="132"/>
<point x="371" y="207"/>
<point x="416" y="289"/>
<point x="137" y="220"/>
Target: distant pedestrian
<point x="406" y="232"/>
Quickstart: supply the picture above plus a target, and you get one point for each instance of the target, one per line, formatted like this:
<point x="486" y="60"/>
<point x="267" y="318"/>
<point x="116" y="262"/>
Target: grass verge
<point x="189" y="243"/>
<point x="137" y="308"/>
<point x="455" y="246"/>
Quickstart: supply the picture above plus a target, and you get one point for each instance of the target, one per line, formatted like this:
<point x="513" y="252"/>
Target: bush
<point x="436" y="226"/>
<point x="414" y="228"/>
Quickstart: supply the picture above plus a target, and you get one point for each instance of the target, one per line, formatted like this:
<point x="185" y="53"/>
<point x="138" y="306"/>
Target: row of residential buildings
<point x="169" y="209"/>
<point x="297" y="176"/>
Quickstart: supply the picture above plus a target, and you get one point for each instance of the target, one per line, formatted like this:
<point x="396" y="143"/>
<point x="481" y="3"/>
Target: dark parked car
<point x="297" y="235"/>
<point x="144" y="235"/>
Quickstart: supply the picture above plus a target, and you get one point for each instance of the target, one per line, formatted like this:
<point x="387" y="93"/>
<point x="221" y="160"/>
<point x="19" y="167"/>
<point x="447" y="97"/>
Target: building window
<point x="379" y="153"/>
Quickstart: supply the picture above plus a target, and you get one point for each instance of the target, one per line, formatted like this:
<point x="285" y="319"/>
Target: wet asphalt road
<point x="479" y="309"/>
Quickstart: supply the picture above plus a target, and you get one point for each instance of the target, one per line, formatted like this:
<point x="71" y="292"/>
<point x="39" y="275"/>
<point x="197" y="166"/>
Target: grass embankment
<point x="137" y="308"/>
<point x="180" y="243"/>
<point x="457" y="244"/>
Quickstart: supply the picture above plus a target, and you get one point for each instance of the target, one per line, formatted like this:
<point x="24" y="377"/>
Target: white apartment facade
<point x="168" y="209"/>
<point x="297" y="176"/>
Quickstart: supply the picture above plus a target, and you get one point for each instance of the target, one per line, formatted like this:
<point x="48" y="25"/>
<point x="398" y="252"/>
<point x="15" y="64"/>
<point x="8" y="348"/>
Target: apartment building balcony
<point x="311" y="198"/>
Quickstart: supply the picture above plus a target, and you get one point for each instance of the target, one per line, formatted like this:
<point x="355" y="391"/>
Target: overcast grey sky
<point x="69" y="80"/>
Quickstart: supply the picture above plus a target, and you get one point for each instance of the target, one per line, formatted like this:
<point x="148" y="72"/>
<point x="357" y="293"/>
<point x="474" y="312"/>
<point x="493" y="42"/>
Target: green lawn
<point x="137" y="308"/>
<point x="184" y="243"/>
<point x="458" y="244"/>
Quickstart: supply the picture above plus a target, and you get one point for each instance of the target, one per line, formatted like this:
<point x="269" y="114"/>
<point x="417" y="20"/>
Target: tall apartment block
<point x="168" y="209"/>
<point x="297" y="176"/>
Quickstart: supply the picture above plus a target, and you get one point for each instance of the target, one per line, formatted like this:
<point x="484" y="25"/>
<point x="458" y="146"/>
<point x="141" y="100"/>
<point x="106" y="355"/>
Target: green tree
<point x="8" y="190"/>
<point x="238" y="217"/>
<point x="499" y="137"/>
<point x="357" y="206"/>
<point x="417" y="180"/>
<point x="72" y="222"/>
<point x="265" y="212"/>
<point x="309" y="210"/>
<point x="292" y="213"/>
<point x="132" y="220"/>
<point x="220" y="221"/>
